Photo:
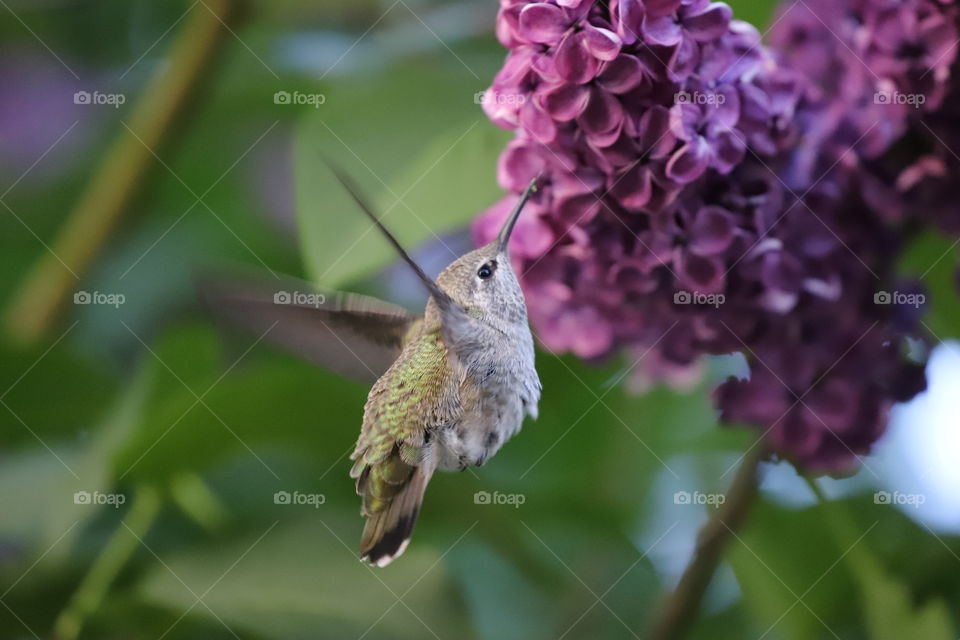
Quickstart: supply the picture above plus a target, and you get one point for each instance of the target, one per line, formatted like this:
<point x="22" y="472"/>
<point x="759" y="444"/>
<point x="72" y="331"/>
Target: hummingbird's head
<point x="484" y="278"/>
<point x="481" y="280"/>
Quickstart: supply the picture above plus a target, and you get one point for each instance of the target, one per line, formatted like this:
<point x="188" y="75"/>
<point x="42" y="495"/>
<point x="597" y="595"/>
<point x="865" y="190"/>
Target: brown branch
<point x="680" y="609"/>
<point x="35" y="305"/>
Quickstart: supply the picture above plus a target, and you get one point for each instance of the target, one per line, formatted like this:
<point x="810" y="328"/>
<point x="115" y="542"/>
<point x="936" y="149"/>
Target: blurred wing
<point x="355" y="336"/>
<point x="458" y="326"/>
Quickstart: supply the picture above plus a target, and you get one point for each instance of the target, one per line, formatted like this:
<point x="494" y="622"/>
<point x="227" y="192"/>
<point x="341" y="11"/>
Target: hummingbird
<point x="450" y="386"/>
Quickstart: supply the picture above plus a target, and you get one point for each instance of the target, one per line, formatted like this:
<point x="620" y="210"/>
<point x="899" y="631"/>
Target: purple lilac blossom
<point x="39" y="118"/>
<point x="704" y="193"/>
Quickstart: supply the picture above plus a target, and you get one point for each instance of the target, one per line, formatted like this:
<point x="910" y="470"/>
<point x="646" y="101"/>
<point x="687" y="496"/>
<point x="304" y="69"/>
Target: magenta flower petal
<point x="590" y="334"/>
<point x="508" y="21"/>
<point x="539" y="124"/>
<point x="486" y="227"/>
<point x="653" y="251"/>
<point x="566" y="102"/>
<point x="664" y="31"/>
<point x="602" y="44"/>
<point x="834" y="403"/>
<point x="708" y="25"/>
<point x="712" y="231"/>
<point x="699" y="274"/>
<point x="720" y="63"/>
<point x="728" y="151"/>
<point x="656" y="135"/>
<point x="591" y="155"/>
<point x="794" y="434"/>
<point x="543" y="23"/>
<point x="531" y="235"/>
<point x="603" y="114"/>
<point x="602" y="139"/>
<point x="658" y="8"/>
<point x="631" y="276"/>
<point x="762" y="399"/>
<point x="518" y="165"/>
<point x="516" y="67"/>
<point x="545" y="66"/>
<point x="578" y="210"/>
<point x="622" y="74"/>
<point x="567" y="184"/>
<point x="534" y="237"/>
<point x="684" y="119"/>
<point x="689" y="161"/>
<point x="627" y="18"/>
<point x="783" y="272"/>
<point x="500" y="113"/>
<point x="724" y="106"/>
<point x="573" y="62"/>
<point x="619" y="153"/>
<point x="684" y="60"/>
<point x="633" y="188"/>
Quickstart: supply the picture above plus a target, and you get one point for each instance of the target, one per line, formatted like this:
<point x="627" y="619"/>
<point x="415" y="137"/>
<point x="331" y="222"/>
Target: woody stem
<point x="679" y="610"/>
<point x="120" y="177"/>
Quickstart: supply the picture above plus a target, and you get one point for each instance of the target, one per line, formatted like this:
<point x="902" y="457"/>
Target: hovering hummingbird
<point x="451" y="386"/>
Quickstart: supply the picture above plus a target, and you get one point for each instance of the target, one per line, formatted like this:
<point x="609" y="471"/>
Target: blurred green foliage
<point x="151" y="394"/>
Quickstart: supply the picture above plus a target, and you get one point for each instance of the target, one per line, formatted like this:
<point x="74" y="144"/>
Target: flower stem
<point x="35" y="305"/>
<point x="115" y="555"/>
<point x="680" y="609"/>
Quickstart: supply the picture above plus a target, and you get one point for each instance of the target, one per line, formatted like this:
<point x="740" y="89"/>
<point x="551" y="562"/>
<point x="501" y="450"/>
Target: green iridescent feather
<point x="416" y="393"/>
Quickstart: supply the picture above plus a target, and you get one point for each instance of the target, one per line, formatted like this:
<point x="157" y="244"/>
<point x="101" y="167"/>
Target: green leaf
<point x="786" y="564"/>
<point x="50" y="392"/>
<point x="932" y="258"/>
<point x="887" y="603"/>
<point x="502" y="602"/>
<point x="39" y="486"/>
<point x="891" y="615"/>
<point x="250" y="407"/>
<point x="291" y="579"/>
<point x="189" y="492"/>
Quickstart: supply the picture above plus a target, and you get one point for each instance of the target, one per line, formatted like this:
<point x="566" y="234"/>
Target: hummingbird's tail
<point x="392" y="492"/>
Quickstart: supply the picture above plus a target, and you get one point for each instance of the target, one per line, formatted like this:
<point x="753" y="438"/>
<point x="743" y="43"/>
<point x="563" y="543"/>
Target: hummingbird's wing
<point x="355" y="336"/>
<point x="452" y="310"/>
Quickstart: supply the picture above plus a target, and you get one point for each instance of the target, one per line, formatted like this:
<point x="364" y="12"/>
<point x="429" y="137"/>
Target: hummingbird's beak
<point x="503" y="238"/>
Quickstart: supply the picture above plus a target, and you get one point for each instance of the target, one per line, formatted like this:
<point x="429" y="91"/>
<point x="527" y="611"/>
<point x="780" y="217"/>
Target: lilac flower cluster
<point x="704" y="194"/>
<point x="634" y="99"/>
<point x="879" y="80"/>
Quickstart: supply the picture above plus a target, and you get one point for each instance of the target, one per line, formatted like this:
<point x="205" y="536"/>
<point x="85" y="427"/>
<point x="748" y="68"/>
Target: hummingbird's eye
<point x="486" y="269"/>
